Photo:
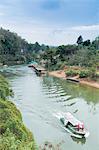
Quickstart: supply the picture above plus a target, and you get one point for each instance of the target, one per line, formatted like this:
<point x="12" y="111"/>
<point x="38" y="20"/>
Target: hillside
<point x="16" y="50"/>
<point x="13" y="134"/>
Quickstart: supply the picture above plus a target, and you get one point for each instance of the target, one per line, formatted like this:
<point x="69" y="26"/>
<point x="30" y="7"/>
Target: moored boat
<point x="32" y="64"/>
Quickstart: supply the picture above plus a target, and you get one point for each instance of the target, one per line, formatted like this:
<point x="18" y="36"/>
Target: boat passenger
<point x="80" y="126"/>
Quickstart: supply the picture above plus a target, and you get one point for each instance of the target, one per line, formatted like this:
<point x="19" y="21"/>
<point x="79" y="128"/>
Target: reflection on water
<point x="79" y="141"/>
<point x="12" y="71"/>
<point x="76" y="90"/>
<point x="72" y="92"/>
<point x="39" y="98"/>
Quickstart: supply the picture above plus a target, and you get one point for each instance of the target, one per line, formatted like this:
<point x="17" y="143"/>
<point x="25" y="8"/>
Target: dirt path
<point x="61" y="74"/>
<point x="90" y="83"/>
<point x="58" y="74"/>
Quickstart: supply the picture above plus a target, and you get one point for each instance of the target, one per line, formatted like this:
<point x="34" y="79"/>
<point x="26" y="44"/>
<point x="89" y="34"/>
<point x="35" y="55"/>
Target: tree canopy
<point x="14" y="49"/>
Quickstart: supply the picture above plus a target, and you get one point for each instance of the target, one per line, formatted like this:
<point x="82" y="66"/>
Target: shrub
<point x="97" y="75"/>
<point x="5" y="90"/>
<point x="84" y="73"/>
<point x="13" y="134"/>
<point x="92" y="71"/>
<point x="72" y="72"/>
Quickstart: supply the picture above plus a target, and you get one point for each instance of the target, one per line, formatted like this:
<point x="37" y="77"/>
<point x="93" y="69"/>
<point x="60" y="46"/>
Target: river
<point x="40" y="98"/>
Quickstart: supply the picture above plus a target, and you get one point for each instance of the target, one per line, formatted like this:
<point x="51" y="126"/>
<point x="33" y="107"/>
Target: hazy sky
<point x="52" y="22"/>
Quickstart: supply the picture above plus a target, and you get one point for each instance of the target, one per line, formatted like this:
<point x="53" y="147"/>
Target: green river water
<point x="40" y="98"/>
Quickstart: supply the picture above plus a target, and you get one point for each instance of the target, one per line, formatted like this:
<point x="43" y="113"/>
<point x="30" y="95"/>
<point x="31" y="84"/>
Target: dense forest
<point x="83" y="53"/>
<point x="15" y="50"/>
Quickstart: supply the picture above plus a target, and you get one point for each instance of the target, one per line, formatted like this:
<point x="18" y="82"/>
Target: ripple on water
<point x="41" y="97"/>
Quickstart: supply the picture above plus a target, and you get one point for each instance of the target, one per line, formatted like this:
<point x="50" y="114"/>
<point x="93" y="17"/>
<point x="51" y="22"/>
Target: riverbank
<point x="61" y="74"/>
<point x="58" y="74"/>
<point x="13" y="133"/>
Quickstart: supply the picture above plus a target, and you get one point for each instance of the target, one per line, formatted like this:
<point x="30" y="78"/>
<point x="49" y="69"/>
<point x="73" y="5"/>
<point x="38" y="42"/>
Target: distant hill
<point x="16" y="50"/>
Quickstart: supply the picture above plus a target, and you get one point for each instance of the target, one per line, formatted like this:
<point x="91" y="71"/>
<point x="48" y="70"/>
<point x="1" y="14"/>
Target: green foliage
<point x="66" y="50"/>
<point x="86" y="43"/>
<point x="84" y="73"/>
<point x="5" y="90"/>
<point x="97" y="75"/>
<point x="80" y="40"/>
<point x="95" y="43"/>
<point x="11" y="46"/>
<point x="15" y="50"/>
<point x="13" y="134"/>
<point x="85" y="54"/>
<point x="90" y="72"/>
<point x="71" y="72"/>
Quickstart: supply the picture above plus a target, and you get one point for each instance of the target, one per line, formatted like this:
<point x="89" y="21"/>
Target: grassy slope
<point x="13" y="134"/>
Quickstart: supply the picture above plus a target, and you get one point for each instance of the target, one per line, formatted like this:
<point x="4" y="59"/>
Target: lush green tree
<point x="86" y="43"/>
<point x="66" y="50"/>
<point x="5" y="90"/>
<point x="80" y="40"/>
<point x="95" y="43"/>
<point x="14" y="49"/>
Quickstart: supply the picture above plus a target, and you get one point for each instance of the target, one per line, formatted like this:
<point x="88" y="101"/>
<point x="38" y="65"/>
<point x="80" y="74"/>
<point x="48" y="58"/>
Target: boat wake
<point x="59" y="115"/>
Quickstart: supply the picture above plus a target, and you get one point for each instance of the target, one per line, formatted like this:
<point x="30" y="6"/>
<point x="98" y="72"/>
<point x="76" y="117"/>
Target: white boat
<point x="73" y="126"/>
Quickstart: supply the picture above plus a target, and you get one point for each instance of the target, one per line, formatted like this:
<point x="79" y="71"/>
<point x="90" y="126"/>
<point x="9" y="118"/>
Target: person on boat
<point x="80" y="126"/>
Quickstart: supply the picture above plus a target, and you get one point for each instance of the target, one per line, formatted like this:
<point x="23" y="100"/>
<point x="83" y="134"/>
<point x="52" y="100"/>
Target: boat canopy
<point x="33" y="62"/>
<point x="40" y="68"/>
<point x="72" y="119"/>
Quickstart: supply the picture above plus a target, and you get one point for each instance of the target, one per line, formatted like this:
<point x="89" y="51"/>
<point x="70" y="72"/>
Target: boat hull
<point x="67" y="119"/>
<point x="74" y="132"/>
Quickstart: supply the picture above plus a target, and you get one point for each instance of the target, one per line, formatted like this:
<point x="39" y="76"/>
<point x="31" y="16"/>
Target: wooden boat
<point x="74" y="126"/>
<point x="32" y="64"/>
<point x="40" y="71"/>
<point x="73" y="80"/>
